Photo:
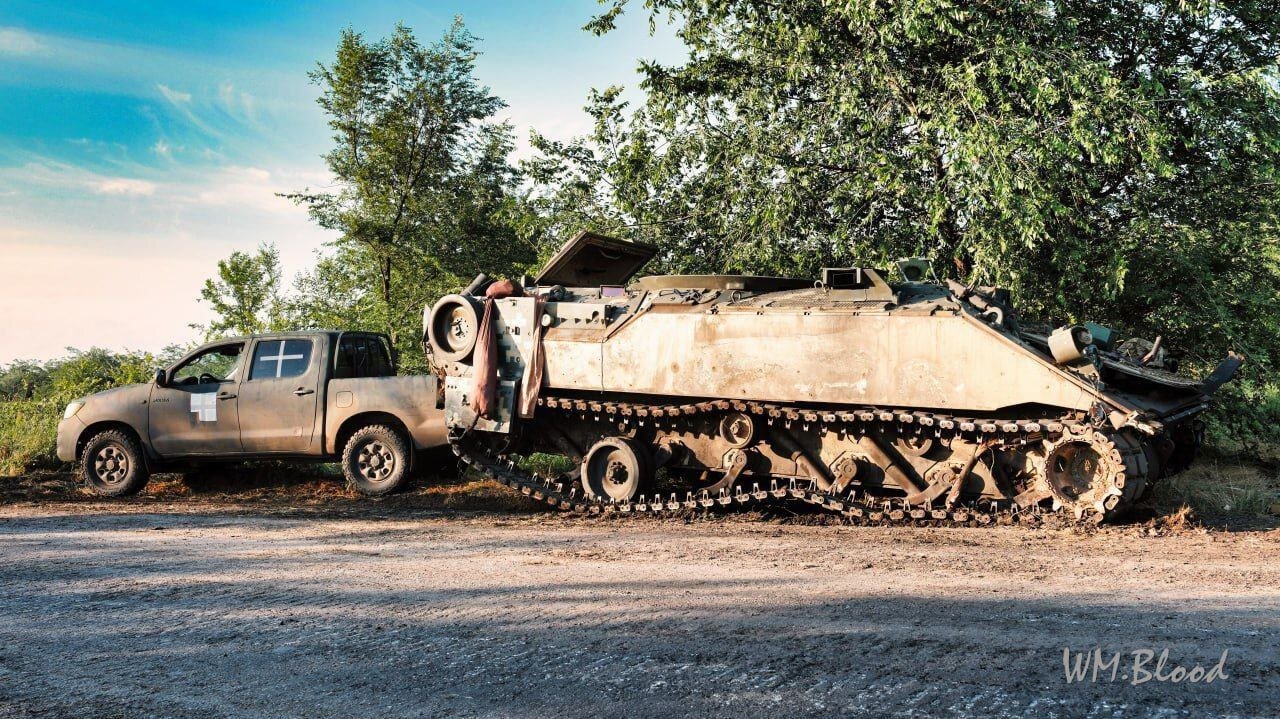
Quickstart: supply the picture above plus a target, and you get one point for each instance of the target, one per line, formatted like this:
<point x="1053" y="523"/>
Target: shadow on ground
<point x="220" y="616"/>
<point x="319" y="490"/>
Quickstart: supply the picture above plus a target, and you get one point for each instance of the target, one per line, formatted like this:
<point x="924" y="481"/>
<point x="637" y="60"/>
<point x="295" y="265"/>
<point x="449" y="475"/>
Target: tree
<point x="420" y="167"/>
<point x="1111" y="160"/>
<point x="245" y="296"/>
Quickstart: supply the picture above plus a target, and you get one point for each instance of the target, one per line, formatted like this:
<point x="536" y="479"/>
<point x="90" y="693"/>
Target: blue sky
<point x="140" y="142"/>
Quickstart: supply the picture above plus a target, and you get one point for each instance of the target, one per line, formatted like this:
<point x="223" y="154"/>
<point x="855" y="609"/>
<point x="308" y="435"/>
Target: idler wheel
<point x="615" y="469"/>
<point x="452" y="328"/>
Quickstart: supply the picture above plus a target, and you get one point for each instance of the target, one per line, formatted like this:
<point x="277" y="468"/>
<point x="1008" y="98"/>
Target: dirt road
<point x="181" y="609"/>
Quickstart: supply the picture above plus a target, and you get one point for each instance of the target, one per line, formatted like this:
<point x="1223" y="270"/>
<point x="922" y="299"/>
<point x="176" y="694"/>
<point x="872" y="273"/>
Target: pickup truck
<point x="317" y="396"/>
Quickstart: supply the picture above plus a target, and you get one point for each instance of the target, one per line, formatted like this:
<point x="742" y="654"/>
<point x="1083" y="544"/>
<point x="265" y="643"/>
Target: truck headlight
<point x="71" y="409"/>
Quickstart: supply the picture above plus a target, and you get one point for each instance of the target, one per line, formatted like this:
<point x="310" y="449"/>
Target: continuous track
<point x="1126" y="457"/>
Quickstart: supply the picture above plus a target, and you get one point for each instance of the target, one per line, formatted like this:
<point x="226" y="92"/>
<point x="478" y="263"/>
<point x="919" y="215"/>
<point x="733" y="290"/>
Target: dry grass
<point x="275" y="484"/>
<point x="1212" y="492"/>
<point x="1214" y="488"/>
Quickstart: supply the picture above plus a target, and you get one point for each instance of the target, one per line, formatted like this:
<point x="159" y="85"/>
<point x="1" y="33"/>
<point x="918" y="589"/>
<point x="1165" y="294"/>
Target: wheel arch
<point x="354" y="423"/>
<point x="91" y="430"/>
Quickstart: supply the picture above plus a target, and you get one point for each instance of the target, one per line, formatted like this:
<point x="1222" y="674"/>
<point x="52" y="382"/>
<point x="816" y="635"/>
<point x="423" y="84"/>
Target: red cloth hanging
<point x="531" y="384"/>
<point x="485" y="364"/>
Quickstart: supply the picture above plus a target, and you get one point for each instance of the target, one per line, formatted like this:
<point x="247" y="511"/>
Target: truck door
<point x="195" y="412"/>
<point x="278" y="396"/>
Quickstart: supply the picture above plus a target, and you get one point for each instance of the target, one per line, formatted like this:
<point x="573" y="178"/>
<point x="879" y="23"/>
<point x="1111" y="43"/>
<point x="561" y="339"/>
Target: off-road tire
<point x="113" y="465"/>
<point x="376" y="460"/>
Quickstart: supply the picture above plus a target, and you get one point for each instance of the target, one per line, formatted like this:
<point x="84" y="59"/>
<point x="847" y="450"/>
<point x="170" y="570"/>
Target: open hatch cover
<point x="591" y="260"/>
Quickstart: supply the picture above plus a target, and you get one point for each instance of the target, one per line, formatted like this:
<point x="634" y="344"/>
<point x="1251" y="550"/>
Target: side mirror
<point x="161" y="378"/>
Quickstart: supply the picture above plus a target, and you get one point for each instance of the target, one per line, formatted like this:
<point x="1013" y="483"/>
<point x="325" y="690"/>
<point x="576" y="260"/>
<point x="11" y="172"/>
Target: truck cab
<point x="319" y="396"/>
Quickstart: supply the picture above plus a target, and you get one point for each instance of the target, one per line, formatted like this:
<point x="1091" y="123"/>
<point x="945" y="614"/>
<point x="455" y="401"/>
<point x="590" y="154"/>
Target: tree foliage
<point x="245" y="296"/>
<point x="423" y="183"/>
<point x="1113" y="160"/>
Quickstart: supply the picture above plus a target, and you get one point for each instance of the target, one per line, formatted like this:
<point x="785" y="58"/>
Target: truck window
<point x="216" y="364"/>
<point x="275" y="359"/>
<point x="362" y="356"/>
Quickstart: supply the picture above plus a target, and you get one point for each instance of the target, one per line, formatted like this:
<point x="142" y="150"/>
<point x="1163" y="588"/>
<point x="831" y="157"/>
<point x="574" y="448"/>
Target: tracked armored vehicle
<point x="884" y="401"/>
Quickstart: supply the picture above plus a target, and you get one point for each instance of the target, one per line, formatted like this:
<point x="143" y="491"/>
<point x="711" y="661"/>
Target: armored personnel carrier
<point x="912" y="400"/>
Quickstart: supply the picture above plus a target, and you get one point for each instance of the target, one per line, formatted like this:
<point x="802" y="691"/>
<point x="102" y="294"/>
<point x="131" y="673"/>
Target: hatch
<point x="592" y="260"/>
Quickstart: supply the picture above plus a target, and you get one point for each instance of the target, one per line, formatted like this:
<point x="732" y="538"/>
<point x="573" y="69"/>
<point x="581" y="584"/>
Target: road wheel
<point x="113" y="465"/>
<point x="616" y="469"/>
<point x="376" y="460"/>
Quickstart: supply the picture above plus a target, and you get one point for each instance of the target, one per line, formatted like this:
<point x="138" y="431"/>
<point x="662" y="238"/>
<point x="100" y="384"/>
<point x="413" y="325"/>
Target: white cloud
<point x="176" y="97"/>
<point x="52" y="175"/>
<point x="124" y="186"/>
<point x="237" y="102"/>
<point x="162" y="148"/>
<point x="19" y="42"/>
<point x="257" y="189"/>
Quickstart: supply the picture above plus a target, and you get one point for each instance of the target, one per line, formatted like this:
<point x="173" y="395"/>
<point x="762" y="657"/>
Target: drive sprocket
<point x="1086" y="471"/>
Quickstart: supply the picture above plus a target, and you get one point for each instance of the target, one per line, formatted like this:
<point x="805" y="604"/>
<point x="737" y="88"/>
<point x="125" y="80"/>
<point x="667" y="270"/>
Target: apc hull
<point x="946" y="360"/>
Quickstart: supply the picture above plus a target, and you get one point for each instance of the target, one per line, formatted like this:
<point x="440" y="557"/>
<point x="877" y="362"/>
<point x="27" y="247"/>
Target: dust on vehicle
<point x="297" y="396"/>
<point x="910" y="400"/>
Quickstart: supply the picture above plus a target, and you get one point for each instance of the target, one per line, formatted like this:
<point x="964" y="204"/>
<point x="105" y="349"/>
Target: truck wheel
<point x="376" y="460"/>
<point x="112" y="464"/>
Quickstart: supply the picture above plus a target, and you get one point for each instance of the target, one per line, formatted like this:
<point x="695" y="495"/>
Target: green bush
<point x="1244" y="419"/>
<point x="27" y="434"/>
<point x="33" y="395"/>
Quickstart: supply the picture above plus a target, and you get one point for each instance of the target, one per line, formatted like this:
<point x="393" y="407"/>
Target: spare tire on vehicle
<point x="452" y="327"/>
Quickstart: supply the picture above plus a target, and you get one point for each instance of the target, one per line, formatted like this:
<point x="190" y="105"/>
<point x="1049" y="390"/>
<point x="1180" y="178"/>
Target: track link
<point x="854" y="508"/>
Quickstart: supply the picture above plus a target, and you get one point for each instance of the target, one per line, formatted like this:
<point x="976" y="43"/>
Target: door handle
<point x="303" y="391"/>
<point x="226" y="395"/>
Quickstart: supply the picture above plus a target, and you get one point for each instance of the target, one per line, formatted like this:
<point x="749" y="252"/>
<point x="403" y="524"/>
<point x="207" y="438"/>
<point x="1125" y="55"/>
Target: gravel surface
<point x="209" y="610"/>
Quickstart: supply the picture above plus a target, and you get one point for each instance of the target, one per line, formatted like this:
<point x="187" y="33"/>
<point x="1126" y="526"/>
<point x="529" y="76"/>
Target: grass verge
<point x="1216" y="488"/>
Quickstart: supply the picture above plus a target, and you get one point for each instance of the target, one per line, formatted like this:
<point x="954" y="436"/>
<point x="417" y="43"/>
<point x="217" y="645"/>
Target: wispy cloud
<point x="237" y="102"/>
<point x="250" y="188"/>
<point x="14" y="41"/>
<point x="224" y="98"/>
<point x="177" y="97"/>
<point x="125" y="186"/>
<point x="41" y="176"/>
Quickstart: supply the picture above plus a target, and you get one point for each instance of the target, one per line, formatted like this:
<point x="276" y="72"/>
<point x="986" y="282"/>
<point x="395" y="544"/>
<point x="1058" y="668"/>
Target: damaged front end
<point x="1141" y="376"/>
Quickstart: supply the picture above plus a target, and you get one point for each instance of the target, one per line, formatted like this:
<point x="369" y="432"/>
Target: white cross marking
<point x="205" y="406"/>
<point x="280" y="357"/>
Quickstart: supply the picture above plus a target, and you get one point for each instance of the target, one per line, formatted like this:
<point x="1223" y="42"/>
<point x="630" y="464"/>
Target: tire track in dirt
<point x="194" y="611"/>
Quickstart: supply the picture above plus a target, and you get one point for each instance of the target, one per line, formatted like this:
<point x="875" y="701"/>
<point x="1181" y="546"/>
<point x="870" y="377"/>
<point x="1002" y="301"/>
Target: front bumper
<point x="68" y="435"/>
